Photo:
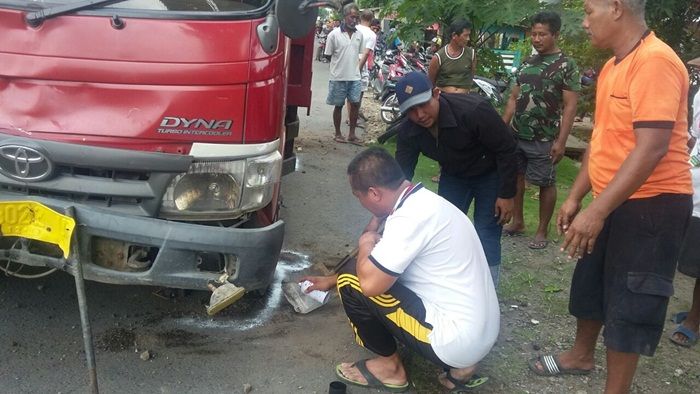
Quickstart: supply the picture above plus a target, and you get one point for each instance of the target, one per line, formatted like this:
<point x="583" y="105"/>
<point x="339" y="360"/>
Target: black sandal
<point x="460" y="387"/>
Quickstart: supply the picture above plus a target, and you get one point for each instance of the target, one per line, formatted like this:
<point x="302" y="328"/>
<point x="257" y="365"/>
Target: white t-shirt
<point x="345" y="52"/>
<point x="434" y="250"/>
<point x="369" y="42"/>
<point x="695" y="171"/>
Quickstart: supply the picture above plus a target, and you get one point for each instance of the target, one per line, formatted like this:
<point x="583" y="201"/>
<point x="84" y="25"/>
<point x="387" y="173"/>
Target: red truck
<point x="158" y="128"/>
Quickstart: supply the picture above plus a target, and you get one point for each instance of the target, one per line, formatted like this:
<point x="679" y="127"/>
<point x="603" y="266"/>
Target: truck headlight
<point x="222" y="189"/>
<point x="261" y="174"/>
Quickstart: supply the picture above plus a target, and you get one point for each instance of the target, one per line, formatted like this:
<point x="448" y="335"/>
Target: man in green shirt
<point x="542" y="106"/>
<point x="452" y="67"/>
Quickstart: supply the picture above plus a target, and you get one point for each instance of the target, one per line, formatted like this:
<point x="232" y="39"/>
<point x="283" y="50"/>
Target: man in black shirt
<point x="475" y="149"/>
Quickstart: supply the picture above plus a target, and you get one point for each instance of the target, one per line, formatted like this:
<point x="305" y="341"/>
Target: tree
<point x="485" y="15"/>
<point x="677" y="22"/>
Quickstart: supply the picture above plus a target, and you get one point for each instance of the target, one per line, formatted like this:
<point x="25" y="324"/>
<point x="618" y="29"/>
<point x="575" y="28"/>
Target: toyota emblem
<point x="24" y="164"/>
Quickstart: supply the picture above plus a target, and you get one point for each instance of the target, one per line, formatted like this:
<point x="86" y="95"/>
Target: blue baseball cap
<point x="413" y="89"/>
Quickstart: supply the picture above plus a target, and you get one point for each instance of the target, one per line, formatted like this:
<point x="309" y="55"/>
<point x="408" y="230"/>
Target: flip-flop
<point x="536" y="245"/>
<point x="461" y="387"/>
<point x="372" y="381"/>
<point x="681" y="329"/>
<point x="357" y="142"/>
<point x="553" y="368"/>
<point x="513" y="233"/>
<point x="340" y="139"/>
<point x="679" y="317"/>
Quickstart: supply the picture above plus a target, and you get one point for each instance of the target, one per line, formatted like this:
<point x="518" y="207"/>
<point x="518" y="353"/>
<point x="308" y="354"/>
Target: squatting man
<point x="424" y="281"/>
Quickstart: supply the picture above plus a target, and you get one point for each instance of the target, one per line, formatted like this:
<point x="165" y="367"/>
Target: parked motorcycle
<point x="321" y="46"/>
<point x="389" y="110"/>
<point x="486" y="87"/>
<point x="398" y="66"/>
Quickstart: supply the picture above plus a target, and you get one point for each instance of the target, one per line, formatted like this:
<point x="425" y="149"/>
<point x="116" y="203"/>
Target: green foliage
<point x="677" y="22"/>
<point x="415" y="15"/>
<point x="489" y="63"/>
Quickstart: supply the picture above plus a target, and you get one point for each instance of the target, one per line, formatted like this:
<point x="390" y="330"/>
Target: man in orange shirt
<point x="628" y="239"/>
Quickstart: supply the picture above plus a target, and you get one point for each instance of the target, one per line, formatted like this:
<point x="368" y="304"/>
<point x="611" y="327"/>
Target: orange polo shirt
<point x="646" y="89"/>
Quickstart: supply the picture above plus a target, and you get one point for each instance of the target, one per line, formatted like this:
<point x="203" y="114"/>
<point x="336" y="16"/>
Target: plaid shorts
<point x="339" y="91"/>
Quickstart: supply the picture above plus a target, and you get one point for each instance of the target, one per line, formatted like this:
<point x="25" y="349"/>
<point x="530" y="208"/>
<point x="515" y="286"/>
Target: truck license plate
<point x="33" y="220"/>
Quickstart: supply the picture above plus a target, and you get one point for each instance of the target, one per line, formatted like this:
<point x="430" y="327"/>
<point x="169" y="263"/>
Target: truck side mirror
<point x="296" y="18"/>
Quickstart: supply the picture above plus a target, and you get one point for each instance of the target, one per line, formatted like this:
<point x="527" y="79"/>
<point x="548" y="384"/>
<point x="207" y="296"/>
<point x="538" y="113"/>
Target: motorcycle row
<point x="389" y="67"/>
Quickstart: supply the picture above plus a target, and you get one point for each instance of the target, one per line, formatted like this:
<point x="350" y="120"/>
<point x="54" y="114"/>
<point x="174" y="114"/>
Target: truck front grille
<point x="128" y="181"/>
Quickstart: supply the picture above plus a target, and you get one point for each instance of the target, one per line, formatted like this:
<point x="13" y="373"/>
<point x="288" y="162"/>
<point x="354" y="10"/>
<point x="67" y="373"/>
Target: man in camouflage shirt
<point x="542" y="106"/>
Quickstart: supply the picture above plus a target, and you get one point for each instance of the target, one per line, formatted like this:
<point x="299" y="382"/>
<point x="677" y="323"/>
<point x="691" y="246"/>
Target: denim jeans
<point x="483" y="190"/>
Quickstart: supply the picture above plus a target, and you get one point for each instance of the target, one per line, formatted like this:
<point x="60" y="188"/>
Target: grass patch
<point x="567" y="170"/>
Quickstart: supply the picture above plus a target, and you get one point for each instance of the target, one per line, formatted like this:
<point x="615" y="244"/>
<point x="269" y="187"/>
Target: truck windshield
<point x="195" y="6"/>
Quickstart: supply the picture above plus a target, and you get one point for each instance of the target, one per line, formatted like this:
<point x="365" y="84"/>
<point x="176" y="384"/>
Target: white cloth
<point x="695" y="171"/>
<point x="344" y="51"/>
<point x="695" y="124"/>
<point x="369" y="42"/>
<point x="434" y="250"/>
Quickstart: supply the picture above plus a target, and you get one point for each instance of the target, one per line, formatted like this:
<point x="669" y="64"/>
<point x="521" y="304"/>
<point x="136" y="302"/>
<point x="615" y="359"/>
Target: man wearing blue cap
<point x="475" y="149"/>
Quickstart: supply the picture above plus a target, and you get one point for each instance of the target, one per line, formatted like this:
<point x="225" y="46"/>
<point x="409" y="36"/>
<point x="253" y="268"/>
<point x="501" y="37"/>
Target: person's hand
<point x="374" y="224"/>
<point x="566" y="215"/>
<point x="321" y="283"/>
<point x="557" y="151"/>
<point x="504" y="210"/>
<point x="581" y="235"/>
<point x="369" y="238"/>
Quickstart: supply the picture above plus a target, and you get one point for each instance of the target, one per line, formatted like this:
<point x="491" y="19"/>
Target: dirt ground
<point x="261" y="344"/>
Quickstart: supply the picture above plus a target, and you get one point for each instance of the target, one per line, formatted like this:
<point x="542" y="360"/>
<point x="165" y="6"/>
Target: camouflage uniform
<point x="542" y="80"/>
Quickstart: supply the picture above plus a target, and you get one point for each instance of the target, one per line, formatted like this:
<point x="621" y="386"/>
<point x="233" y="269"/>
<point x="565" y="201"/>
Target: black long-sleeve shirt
<point x="472" y="140"/>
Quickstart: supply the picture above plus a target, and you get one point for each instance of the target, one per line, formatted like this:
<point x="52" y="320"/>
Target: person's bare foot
<point x="385" y="369"/>
<point x="355" y="141"/>
<point x="514" y="228"/>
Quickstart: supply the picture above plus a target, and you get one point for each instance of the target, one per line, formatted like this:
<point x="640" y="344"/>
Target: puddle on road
<point x="251" y="312"/>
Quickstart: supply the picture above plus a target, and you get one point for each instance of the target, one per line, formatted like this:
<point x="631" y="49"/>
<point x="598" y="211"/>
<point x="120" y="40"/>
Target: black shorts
<point x="627" y="280"/>
<point x="689" y="260"/>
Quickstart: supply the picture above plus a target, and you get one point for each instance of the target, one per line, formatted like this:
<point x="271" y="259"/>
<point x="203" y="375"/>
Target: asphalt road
<point x="259" y="342"/>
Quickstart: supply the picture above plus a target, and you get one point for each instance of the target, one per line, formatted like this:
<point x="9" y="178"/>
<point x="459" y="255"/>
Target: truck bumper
<point x="177" y="249"/>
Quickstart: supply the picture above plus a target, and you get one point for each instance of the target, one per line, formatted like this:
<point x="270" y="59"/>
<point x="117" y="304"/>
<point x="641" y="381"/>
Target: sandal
<point x="461" y="387"/>
<point x="691" y="337"/>
<point x="340" y="139"/>
<point x="356" y="141"/>
<point x="551" y="367"/>
<point x="679" y="317"/>
<point x="372" y="381"/>
<point x="513" y="233"/>
<point x="536" y="245"/>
